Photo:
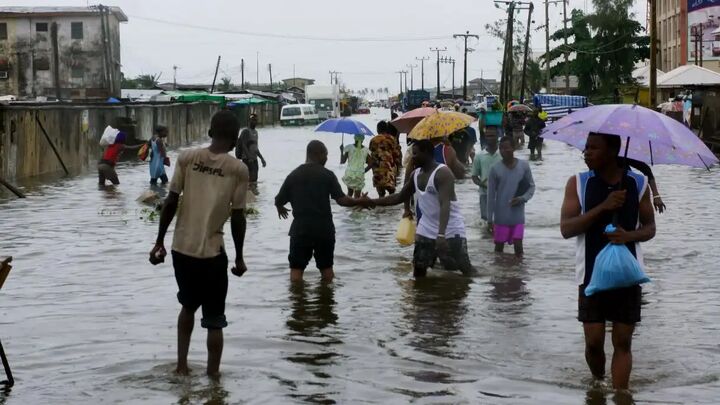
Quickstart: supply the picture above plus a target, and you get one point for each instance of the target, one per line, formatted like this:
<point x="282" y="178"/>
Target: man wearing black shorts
<point x="441" y="229"/>
<point x="592" y="200"/>
<point x="214" y="186"/>
<point x="248" y="149"/>
<point x="308" y="189"/>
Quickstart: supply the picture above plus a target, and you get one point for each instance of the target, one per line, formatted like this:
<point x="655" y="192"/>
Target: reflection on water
<point x="600" y="396"/>
<point x="312" y="313"/>
<point x="85" y="319"/>
<point x="434" y="308"/>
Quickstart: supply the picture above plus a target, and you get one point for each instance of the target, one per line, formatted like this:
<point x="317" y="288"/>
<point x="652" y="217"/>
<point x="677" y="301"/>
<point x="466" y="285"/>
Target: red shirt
<point x="112" y="153"/>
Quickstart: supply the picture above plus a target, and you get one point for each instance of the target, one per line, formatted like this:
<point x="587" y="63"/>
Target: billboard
<point x="704" y="29"/>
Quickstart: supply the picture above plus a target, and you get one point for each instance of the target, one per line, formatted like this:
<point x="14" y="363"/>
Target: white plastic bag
<point x="108" y="136"/>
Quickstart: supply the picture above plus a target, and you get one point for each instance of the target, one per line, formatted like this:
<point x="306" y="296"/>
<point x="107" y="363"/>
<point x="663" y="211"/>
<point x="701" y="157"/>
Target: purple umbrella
<point x="647" y="135"/>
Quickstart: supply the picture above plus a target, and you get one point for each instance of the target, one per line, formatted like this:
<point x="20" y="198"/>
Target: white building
<point x="62" y="52"/>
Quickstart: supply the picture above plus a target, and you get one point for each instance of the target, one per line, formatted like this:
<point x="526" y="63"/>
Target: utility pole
<point x="334" y="75"/>
<point x="653" y="53"/>
<point x="412" y="69"/>
<point x="175" y="68"/>
<point x="212" y="89"/>
<point x="507" y="65"/>
<point x="527" y="47"/>
<point x="405" y="72"/>
<point x="422" y="71"/>
<point x="451" y="61"/>
<point x="567" y="53"/>
<point x="294" y="78"/>
<point x="547" y="46"/>
<point x="438" y="50"/>
<point x="271" y="81"/>
<point x="401" y="81"/>
<point x="242" y="74"/>
<point x="257" y="69"/>
<point x="465" y="36"/>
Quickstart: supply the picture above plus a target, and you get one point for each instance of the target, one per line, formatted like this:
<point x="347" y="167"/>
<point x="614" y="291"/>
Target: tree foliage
<point x="144" y="81"/>
<point x="603" y="47"/>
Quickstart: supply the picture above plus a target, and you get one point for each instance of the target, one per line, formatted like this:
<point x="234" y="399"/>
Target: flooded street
<point x="85" y="319"/>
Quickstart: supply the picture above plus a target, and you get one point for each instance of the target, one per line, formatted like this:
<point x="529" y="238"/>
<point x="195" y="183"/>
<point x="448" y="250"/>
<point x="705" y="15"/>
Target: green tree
<point x="604" y="47"/>
<point x="582" y="64"/>
<point x="225" y="84"/>
<point x="619" y="40"/>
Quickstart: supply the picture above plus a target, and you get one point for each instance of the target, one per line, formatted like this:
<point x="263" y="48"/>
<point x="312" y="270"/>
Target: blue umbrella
<point x="344" y="126"/>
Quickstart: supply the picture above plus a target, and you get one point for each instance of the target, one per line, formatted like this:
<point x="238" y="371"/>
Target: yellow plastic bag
<point x="405" y="234"/>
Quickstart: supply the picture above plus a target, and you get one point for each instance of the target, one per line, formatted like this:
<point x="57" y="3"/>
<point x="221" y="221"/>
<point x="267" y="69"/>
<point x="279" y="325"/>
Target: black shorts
<point x="425" y="254"/>
<point x="303" y="248"/>
<point x="203" y="283"/>
<point x="621" y="305"/>
<point x="253" y="169"/>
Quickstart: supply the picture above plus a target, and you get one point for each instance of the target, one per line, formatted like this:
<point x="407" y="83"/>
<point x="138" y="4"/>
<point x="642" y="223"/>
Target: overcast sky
<point x="153" y="47"/>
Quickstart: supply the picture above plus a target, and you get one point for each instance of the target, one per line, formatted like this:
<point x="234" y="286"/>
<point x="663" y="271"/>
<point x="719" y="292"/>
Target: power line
<point x="289" y="36"/>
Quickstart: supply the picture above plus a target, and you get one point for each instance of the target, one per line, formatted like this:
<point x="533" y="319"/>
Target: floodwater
<point x="85" y="319"/>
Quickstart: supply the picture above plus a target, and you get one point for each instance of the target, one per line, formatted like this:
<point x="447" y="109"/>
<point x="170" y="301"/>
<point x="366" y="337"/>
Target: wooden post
<point x="12" y="188"/>
<point x="52" y="145"/>
<point x="4" y="270"/>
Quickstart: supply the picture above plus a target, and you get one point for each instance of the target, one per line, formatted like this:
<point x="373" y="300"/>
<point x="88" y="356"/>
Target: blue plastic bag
<point x="615" y="267"/>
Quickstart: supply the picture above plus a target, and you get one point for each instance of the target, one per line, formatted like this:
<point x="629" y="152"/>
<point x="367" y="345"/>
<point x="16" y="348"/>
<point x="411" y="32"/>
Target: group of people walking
<point x="214" y="187"/>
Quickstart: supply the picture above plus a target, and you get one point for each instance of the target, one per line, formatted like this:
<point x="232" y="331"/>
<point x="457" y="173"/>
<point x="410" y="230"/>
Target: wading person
<point x="357" y="158"/>
<point x="110" y="157"/>
<point x="510" y="186"/>
<point x="386" y="157"/>
<point x="591" y="199"/>
<point x="214" y="186"/>
<point x="309" y="189"/>
<point x="248" y="150"/>
<point x="482" y="165"/>
<point x="158" y="155"/>
<point x="533" y="128"/>
<point x="441" y="228"/>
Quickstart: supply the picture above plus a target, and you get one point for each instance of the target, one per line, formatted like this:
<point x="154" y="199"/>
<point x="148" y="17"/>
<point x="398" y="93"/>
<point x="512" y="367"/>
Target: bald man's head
<point x="316" y="152"/>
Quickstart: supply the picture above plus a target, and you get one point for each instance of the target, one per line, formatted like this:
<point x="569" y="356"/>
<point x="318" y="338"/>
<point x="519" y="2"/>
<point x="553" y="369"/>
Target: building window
<point x="42" y="63"/>
<point x="77" y="72"/>
<point x="76" y="30"/>
<point x="41" y="27"/>
<point x="3" y="31"/>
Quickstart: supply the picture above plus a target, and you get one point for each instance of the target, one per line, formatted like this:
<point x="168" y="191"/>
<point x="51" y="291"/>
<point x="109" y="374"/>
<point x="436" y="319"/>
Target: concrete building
<point x="672" y="34"/>
<point x="60" y="52"/>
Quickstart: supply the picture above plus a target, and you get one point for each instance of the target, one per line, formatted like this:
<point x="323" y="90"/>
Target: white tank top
<point x="429" y="204"/>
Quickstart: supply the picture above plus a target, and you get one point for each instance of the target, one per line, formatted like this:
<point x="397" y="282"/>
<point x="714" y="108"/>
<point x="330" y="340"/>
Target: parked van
<point x="299" y="114"/>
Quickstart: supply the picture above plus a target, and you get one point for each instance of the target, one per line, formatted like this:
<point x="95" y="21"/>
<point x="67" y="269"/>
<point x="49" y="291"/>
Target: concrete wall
<point x="76" y="129"/>
<point x="29" y="57"/>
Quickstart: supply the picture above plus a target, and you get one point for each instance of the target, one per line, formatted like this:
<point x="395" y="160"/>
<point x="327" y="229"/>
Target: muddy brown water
<point x="85" y="319"/>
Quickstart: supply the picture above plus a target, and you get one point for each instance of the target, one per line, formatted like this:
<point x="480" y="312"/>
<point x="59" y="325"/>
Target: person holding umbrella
<point x="591" y="200"/>
<point x="610" y="193"/>
<point x="358" y="158"/>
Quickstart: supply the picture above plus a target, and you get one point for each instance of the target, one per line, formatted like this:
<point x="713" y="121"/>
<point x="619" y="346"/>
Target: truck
<point x="326" y="100"/>
<point x="414" y="99"/>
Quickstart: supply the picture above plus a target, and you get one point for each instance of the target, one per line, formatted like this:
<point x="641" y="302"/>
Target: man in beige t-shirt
<point x="214" y="186"/>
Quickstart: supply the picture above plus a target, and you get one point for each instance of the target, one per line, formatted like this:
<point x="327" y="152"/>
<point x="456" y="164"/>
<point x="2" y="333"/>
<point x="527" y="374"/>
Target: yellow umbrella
<point x="440" y="124"/>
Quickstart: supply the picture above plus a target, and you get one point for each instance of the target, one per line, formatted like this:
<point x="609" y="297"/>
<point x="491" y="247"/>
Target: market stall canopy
<point x="642" y="75"/>
<point x="251" y="101"/>
<point x="188" y="96"/>
<point x="689" y="75"/>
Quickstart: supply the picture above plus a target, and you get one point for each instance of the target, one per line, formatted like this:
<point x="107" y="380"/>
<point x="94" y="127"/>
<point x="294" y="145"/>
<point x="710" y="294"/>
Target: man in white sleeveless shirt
<point x="441" y="229"/>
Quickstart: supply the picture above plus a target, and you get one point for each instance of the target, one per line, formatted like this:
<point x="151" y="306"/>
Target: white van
<point x="299" y="114"/>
